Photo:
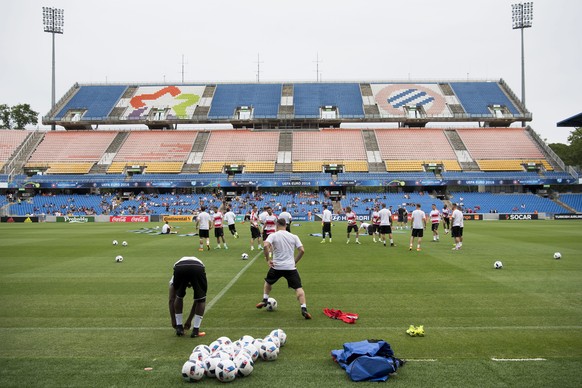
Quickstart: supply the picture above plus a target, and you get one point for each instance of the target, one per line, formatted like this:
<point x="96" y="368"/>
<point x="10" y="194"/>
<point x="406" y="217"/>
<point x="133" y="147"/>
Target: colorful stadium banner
<point x="26" y="219"/>
<point x="518" y="216"/>
<point x="177" y="218"/>
<point x="474" y="216"/>
<point x="76" y="219"/>
<point x="129" y="219"/>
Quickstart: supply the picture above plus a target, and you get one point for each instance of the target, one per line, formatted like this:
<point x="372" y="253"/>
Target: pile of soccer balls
<point x="119" y="258"/>
<point x="227" y="360"/>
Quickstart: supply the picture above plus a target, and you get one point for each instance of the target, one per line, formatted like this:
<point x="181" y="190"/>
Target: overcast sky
<point x="143" y="41"/>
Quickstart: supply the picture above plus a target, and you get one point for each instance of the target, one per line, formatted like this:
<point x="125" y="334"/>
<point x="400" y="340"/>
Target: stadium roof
<point x="288" y="104"/>
<point x="574" y="121"/>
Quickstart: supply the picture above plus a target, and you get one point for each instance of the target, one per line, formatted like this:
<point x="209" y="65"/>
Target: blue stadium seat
<point x="264" y="98"/>
<point x="308" y="98"/>
<point x="99" y="100"/>
<point x="476" y="96"/>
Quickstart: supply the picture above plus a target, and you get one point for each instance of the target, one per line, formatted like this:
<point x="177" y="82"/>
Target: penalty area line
<point x="231" y="283"/>
<point x="517" y="359"/>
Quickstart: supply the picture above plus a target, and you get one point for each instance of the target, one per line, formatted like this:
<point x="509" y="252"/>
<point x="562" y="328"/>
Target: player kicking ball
<point x="279" y="251"/>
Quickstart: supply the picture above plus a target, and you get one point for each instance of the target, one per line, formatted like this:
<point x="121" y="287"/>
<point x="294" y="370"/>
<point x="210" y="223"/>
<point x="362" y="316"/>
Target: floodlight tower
<point x="522" y="16"/>
<point x="53" y="20"/>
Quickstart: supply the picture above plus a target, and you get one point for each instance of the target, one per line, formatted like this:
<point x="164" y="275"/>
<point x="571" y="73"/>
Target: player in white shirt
<point x="435" y="219"/>
<point x="386" y="225"/>
<point x="269" y="223"/>
<point x="376" y="223"/>
<point x="230" y="218"/>
<point x="457" y="227"/>
<point x="418" y="225"/>
<point x="445" y="214"/>
<point x="255" y="230"/>
<point x="352" y="219"/>
<point x="287" y="217"/>
<point x="325" y="224"/>
<point x="167" y="229"/>
<point x="282" y="260"/>
<point x="204" y="224"/>
<point x="218" y="228"/>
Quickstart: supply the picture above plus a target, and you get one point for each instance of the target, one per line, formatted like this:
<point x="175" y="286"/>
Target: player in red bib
<point x="269" y="223"/>
<point x="376" y="223"/>
<point x="435" y="219"/>
<point x="352" y="219"/>
<point x="217" y="217"/>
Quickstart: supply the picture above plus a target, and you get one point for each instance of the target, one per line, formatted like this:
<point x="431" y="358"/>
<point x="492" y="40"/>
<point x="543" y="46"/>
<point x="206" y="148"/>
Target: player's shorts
<point x="376" y="228"/>
<point x="232" y="228"/>
<point x="400" y="218"/>
<point x="218" y="232"/>
<point x="457" y="231"/>
<point x="255" y="232"/>
<point x="190" y="273"/>
<point x="417" y="232"/>
<point x="204" y="233"/>
<point x="434" y="226"/>
<point x="385" y="229"/>
<point x="292" y="276"/>
<point x="447" y="222"/>
<point x="326" y="228"/>
<point x="353" y="228"/>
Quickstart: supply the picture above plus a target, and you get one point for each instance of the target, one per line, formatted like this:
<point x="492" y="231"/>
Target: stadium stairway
<point x="461" y="149"/>
<point x="102" y="166"/>
<point x="564" y="205"/>
<point x="23" y="153"/>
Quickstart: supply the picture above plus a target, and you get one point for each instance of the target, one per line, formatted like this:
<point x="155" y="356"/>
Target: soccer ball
<point x="204" y="349"/>
<point x="244" y="366"/>
<point x="124" y="243"/>
<point x="115" y="242"/>
<point x="274" y="340"/>
<point x="224" y="340"/>
<point x="498" y="265"/>
<point x="118" y="259"/>
<point x="244" y="256"/>
<point x="279" y="333"/>
<point x="197" y="356"/>
<point x="214" y="346"/>
<point x="252" y="351"/>
<point x="246" y="339"/>
<point x="192" y="370"/>
<point x="269" y="351"/>
<point x="210" y="364"/>
<point x="557" y="255"/>
<point x="226" y="371"/>
<point x="271" y="304"/>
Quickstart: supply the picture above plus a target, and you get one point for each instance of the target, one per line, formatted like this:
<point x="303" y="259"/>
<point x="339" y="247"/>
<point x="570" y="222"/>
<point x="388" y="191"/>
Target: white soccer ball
<point x="269" y="351"/>
<point x="279" y="333"/>
<point x="244" y="366"/>
<point x="557" y="255"/>
<point x="226" y="371"/>
<point x="214" y="346"/>
<point x="202" y="349"/>
<point x="274" y="340"/>
<point x="115" y="242"/>
<point x="271" y="304"/>
<point x="224" y="340"/>
<point x="118" y="259"/>
<point x="197" y="356"/>
<point x="252" y="350"/>
<point x="124" y="243"/>
<point x="210" y="364"/>
<point x="247" y="339"/>
<point x="498" y="265"/>
<point x="244" y="256"/>
<point x="192" y="371"/>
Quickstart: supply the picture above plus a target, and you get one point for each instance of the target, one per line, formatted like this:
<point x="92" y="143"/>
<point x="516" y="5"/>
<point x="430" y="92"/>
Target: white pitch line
<point x="421" y="360"/>
<point x="231" y="283"/>
<point x="517" y="359"/>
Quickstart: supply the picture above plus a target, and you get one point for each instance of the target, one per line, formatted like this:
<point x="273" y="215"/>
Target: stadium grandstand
<point x="298" y="145"/>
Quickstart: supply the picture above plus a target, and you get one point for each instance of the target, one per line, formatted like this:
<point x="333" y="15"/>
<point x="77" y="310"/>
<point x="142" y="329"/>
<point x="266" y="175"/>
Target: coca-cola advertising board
<point x="129" y="219"/>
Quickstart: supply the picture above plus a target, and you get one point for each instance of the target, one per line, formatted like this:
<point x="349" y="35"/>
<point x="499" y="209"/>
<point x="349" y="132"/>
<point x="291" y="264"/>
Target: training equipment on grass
<point x="557" y="255"/>
<point x="498" y="265"/>
<point x="244" y="256"/>
<point x="115" y="242"/>
<point x="202" y="349"/>
<point x="197" y="356"/>
<point x="124" y="243"/>
<point x="280" y="334"/>
<point x="192" y="371"/>
<point x="269" y="351"/>
<point x="274" y="340"/>
<point x="210" y="364"/>
<point x="244" y="366"/>
<point x="118" y="259"/>
<point x="252" y="350"/>
<point x="271" y="304"/>
<point x="225" y="371"/>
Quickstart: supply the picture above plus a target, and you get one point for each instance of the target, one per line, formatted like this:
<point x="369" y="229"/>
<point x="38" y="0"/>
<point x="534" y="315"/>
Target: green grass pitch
<point x="72" y="317"/>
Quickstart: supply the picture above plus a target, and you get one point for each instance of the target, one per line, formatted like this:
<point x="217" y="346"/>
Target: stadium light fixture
<point x="522" y="16"/>
<point x="53" y="20"/>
